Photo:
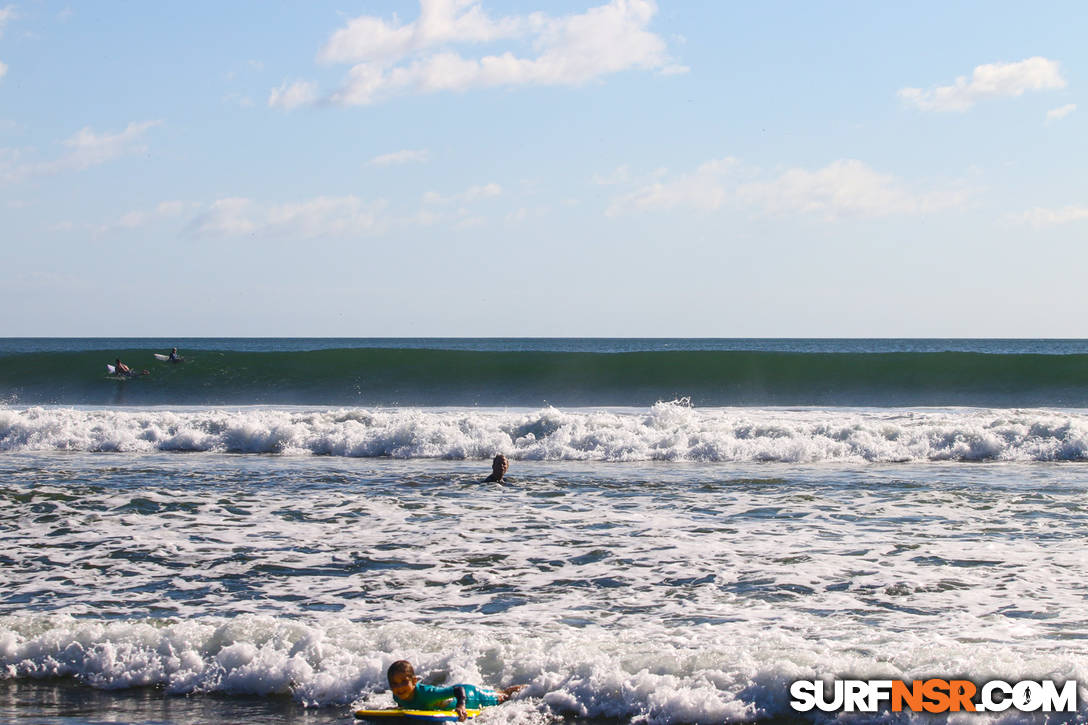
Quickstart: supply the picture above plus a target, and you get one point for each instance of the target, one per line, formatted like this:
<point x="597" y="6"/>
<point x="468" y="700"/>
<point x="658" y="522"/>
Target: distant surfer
<point x="499" y="467"/>
<point x="173" y="357"/>
<point x="124" y="371"/>
<point x="410" y="695"/>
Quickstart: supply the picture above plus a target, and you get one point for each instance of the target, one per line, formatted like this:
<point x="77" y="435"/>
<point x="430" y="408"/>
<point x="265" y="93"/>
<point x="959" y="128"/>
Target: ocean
<point x="688" y="526"/>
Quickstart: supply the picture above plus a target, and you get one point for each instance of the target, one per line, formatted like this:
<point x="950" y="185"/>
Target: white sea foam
<point x="651" y="591"/>
<point x="660" y="594"/>
<point x="667" y="432"/>
<point x="709" y="673"/>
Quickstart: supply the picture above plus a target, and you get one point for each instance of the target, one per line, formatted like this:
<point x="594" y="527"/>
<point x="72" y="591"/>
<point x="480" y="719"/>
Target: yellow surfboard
<point x="413" y="715"/>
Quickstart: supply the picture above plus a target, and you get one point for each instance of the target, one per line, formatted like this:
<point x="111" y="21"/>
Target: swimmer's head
<point x="402" y="679"/>
<point x="500" y="465"/>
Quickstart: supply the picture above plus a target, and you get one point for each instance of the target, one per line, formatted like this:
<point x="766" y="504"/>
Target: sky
<point x="461" y="168"/>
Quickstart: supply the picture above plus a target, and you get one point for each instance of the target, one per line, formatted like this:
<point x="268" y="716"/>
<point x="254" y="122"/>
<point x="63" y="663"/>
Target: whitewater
<point x="674" y="431"/>
<point x="660" y="593"/>
<point x="223" y="541"/>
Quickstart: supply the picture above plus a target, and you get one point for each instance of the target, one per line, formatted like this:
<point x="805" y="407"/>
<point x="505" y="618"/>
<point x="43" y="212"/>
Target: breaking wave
<point x="673" y="431"/>
<point x="434" y="377"/>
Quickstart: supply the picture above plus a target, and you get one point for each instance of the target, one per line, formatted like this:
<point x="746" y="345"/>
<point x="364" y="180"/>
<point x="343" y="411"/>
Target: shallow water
<point x="65" y="702"/>
<point x="668" y="592"/>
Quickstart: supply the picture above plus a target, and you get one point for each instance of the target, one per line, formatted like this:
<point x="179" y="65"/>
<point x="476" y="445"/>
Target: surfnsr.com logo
<point x="934" y="695"/>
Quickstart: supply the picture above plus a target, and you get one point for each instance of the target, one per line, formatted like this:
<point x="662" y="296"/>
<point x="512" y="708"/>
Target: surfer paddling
<point x="173" y="357"/>
<point x="411" y="695"/>
<point x="499" y="467"/>
<point x="124" y="371"/>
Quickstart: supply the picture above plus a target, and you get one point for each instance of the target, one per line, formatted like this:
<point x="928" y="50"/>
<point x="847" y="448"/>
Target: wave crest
<point x="672" y="431"/>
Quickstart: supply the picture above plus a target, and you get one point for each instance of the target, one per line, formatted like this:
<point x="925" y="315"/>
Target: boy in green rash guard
<point x="412" y="696"/>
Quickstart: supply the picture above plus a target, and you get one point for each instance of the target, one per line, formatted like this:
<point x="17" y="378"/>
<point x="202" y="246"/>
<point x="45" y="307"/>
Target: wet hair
<point x="499" y="459"/>
<point x="400" y="667"/>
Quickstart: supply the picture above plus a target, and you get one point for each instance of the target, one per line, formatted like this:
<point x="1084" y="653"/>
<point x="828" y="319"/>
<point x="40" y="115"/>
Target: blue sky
<point x="459" y="168"/>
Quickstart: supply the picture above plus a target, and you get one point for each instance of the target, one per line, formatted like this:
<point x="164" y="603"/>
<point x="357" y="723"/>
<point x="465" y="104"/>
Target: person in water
<point x="411" y="695"/>
<point x="120" y="368"/>
<point x="499" y="467"/>
<point x="174" y="357"/>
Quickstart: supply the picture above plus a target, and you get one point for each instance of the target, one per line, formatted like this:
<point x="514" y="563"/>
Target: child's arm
<point x="459" y="693"/>
<point x="507" y="693"/>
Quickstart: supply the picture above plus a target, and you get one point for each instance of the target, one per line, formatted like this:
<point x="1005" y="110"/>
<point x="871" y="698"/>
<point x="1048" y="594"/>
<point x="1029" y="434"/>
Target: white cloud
<point x="299" y="93"/>
<point x="225" y="218"/>
<point x="481" y="192"/>
<point x="704" y="189"/>
<point x="368" y="38"/>
<point x="1040" y="217"/>
<point x="1056" y="114"/>
<point x="994" y="80"/>
<point x="471" y="222"/>
<point x="426" y="217"/>
<point x="392" y="58"/>
<point x="319" y="217"/>
<point x="90" y="149"/>
<point x="406" y="156"/>
<point x="454" y="209"/>
<point x="87" y="149"/>
<point x="239" y="100"/>
<point x="842" y="188"/>
<point x="473" y="193"/>
<point x="7" y="13"/>
<point x="324" y="216"/>
<point x="621" y="175"/>
<point x="9" y="163"/>
<point x="344" y="216"/>
<point x="142" y="218"/>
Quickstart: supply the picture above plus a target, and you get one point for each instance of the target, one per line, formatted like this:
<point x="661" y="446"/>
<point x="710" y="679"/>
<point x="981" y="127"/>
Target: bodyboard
<point x="397" y="713"/>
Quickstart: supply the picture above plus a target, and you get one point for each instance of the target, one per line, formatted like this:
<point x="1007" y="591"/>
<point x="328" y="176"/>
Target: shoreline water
<point x="684" y="592"/>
